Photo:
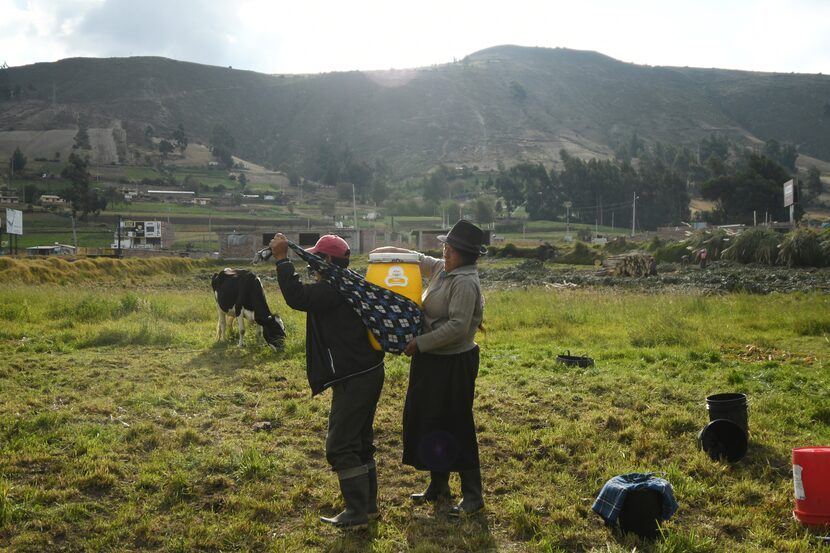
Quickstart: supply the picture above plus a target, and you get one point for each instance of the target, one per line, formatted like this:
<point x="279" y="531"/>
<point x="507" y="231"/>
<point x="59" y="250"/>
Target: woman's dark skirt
<point x="439" y="433"/>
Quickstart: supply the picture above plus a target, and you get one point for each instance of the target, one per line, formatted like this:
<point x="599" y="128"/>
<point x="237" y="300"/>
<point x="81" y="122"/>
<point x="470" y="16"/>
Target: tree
<point x="81" y="138"/>
<point x="76" y="169"/>
<point x="344" y="191"/>
<point x="380" y="190"/>
<point x="510" y="191"/>
<point x="18" y="160"/>
<point x="31" y="193"/>
<point x="181" y="138"/>
<point x="222" y="145"/>
<point x="785" y="154"/>
<point x="113" y="196"/>
<point x="80" y="195"/>
<point x="165" y="147"/>
<point x="436" y="186"/>
<point x="484" y="210"/>
<point x="452" y="211"/>
<point x="360" y="174"/>
<point x="328" y="208"/>
<point x="754" y="187"/>
<point x="536" y="187"/>
<point x="714" y="145"/>
<point x="813" y="183"/>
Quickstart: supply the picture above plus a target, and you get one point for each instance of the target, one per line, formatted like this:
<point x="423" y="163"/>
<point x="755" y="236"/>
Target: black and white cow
<point x="239" y="294"/>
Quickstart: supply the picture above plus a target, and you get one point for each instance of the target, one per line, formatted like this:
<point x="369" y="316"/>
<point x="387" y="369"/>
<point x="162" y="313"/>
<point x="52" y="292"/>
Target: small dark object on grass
<point x="574" y="360"/>
<point x="263" y="426"/>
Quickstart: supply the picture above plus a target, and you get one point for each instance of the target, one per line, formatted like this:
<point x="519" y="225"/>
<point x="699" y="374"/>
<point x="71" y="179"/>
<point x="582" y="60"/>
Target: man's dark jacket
<point x="337" y="344"/>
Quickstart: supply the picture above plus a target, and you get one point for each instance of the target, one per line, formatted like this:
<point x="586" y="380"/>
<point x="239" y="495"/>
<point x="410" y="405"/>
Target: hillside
<point x="502" y="104"/>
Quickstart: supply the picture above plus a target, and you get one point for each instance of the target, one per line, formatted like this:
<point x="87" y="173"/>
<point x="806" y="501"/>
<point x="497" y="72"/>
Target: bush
<point x="756" y="245"/>
<point x="619" y="245"/>
<point x="714" y="241"/>
<point x="544" y="252"/>
<point x="669" y="252"/>
<point x="580" y="255"/>
<point x="802" y="248"/>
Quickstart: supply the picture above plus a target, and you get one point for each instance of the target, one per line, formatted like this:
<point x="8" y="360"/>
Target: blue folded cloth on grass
<point x="612" y="496"/>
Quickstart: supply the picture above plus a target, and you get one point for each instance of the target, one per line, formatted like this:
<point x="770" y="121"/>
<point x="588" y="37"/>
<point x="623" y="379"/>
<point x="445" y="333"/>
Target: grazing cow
<point x="239" y="294"/>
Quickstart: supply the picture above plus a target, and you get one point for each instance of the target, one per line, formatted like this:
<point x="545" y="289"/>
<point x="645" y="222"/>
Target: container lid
<point x="393" y="257"/>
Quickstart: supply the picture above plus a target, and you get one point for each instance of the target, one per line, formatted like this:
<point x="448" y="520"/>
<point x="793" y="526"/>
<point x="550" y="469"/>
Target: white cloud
<point x="282" y="36"/>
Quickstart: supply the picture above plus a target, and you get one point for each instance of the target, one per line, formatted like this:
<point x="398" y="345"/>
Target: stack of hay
<point x="633" y="264"/>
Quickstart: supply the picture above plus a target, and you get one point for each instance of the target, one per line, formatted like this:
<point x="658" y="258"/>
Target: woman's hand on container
<point x="411" y="348"/>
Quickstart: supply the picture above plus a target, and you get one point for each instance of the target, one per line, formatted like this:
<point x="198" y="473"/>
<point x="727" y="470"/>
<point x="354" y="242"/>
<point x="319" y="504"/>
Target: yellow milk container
<point x="398" y="272"/>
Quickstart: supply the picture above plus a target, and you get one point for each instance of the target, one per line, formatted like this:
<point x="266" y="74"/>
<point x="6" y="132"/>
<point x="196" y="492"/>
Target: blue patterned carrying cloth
<point x="393" y="319"/>
<point x="612" y="496"/>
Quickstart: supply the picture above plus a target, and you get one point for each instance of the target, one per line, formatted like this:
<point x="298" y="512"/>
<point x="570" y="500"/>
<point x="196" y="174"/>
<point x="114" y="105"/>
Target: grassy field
<point x="125" y="426"/>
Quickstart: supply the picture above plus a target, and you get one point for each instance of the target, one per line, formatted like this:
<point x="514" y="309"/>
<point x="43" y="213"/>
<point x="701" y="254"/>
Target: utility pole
<point x="633" y="213"/>
<point x="119" y="236"/>
<point x="568" y="205"/>
<point x="354" y="207"/>
<point x="74" y="234"/>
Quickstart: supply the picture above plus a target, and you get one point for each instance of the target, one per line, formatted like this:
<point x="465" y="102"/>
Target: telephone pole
<point x="633" y="214"/>
<point x="568" y="205"/>
<point x="354" y="207"/>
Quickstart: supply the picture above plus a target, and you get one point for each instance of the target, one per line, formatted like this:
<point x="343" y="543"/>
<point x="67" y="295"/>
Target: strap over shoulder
<point x="392" y="319"/>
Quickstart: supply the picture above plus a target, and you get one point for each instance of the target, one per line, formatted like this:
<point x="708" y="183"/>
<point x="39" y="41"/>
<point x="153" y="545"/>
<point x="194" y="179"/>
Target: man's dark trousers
<point x="349" y="442"/>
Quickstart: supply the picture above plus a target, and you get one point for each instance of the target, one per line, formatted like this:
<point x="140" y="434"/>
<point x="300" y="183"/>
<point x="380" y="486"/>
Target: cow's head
<point x="273" y="330"/>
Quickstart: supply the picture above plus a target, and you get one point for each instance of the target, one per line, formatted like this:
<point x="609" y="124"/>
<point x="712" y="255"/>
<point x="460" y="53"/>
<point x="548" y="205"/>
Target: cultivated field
<point x="124" y="426"/>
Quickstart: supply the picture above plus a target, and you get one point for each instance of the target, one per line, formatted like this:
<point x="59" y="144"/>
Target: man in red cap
<point x="339" y="356"/>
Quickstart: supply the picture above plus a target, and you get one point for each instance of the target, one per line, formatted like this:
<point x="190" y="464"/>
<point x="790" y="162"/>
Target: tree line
<point x="741" y="182"/>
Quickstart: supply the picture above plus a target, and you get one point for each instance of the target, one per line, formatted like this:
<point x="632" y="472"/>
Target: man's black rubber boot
<point x="471" y="501"/>
<point x="372" y="506"/>
<point x="438" y="489"/>
<point x="355" y="491"/>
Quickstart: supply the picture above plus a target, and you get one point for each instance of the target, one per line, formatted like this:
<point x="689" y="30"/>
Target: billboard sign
<point x="790" y="193"/>
<point x="14" y="221"/>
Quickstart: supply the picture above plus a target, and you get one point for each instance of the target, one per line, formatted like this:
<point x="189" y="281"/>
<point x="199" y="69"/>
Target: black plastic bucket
<point x="723" y="439"/>
<point x="729" y="406"/>
<point x="641" y="512"/>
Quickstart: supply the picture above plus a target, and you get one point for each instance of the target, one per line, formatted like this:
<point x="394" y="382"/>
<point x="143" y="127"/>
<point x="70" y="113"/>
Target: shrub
<point x="756" y="245"/>
<point x="715" y="241"/>
<point x="619" y="245"/>
<point x="544" y="252"/>
<point x="580" y="255"/>
<point x="802" y="248"/>
<point x="669" y="252"/>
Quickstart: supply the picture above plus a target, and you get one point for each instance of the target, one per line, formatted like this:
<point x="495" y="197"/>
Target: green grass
<point x="125" y="426"/>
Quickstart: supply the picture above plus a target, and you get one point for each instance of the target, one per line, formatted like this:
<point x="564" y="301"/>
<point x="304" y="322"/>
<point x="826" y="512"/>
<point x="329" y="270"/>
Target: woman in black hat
<point x="438" y="429"/>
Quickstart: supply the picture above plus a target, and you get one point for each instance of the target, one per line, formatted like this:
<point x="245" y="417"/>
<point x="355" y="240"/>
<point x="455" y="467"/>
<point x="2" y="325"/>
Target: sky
<point x="318" y="36"/>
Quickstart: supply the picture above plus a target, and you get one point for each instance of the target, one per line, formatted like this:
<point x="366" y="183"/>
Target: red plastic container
<point x="811" y="480"/>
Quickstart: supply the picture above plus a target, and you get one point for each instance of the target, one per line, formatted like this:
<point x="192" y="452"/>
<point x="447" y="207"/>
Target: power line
<point x="603" y="207"/>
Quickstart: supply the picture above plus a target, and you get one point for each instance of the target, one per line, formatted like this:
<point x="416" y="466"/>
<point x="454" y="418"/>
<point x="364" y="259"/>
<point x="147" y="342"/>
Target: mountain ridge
<point x="502" y="104"/>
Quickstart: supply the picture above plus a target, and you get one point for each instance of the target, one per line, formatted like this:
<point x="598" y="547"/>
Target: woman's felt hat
<point x="465" y="236"/>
